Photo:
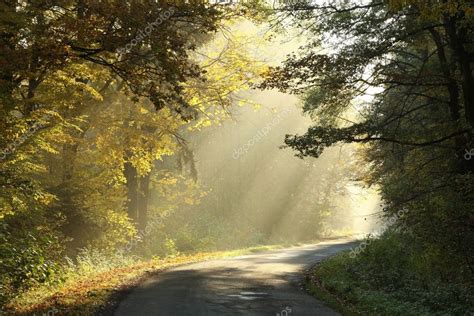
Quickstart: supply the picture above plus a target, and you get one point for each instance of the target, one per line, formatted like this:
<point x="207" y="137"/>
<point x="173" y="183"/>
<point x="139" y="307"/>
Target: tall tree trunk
<point x="68" y="161"/>
<point x="7" y="51"/>
<point x="34" y="69"/>
<point x="451" y="84"/>
<point x="449" y="70"/>
<point x="144" y="191"/>
<point x="456" y="39"/>
<point x="132" y="191"/>
<point x="138" y="191"/>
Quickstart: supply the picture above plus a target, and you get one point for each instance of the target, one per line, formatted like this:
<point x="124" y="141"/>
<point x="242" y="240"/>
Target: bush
<point x="27" y="258"/>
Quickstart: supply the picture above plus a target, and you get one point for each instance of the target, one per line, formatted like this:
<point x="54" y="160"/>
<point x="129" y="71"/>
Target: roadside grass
<point x="96" y="281"/>
<point x="333" y="282"/>
<point x="315" y="287"/>
<point x="382" y="281"/>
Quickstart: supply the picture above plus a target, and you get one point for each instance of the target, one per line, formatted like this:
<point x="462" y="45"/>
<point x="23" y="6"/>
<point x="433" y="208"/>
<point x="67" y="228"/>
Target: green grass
<point x="349" y="286"/>
<point x="333" y="282"/>
<point x="316" y="289"/>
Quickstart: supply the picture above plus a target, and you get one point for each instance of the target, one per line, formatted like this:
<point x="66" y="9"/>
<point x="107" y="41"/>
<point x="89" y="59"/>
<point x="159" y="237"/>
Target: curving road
<point x="260" y="284"/>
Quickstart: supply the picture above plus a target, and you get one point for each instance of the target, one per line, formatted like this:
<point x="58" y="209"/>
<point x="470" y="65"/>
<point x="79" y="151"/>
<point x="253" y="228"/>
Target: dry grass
<point x="84" y="294"/>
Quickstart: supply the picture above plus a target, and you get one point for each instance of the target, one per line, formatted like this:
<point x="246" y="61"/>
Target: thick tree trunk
<point x="7" y="50"/>
<point x="138" y="189"/>
<point x="449" y="69"/>
<point x="456" y="41"/>
<point x="144" y="190"/>
<point x="69" y="159"/>
<point x="451" y="84"/>
<point x="132" y="191"/>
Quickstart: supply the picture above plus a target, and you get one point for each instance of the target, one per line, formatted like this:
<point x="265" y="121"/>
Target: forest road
<point x="267" y="283"/>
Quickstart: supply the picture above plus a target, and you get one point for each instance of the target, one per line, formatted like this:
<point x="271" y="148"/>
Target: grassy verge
<point x="334" y="282"/>
<point x="98" y="284"/>
<point x="317" y="290"/>
<point x="370" y="284"/>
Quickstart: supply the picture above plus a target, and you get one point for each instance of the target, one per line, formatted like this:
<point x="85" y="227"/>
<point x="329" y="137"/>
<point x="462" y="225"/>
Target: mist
<point x="260" y="192"/>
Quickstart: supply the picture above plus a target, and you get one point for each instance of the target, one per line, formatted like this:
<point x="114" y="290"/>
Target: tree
<point x="71" y="70"/>
<point x="407" y="70"/>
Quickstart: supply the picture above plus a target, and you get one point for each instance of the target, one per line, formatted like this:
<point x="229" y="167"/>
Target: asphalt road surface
<point x="267" y="283"/>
